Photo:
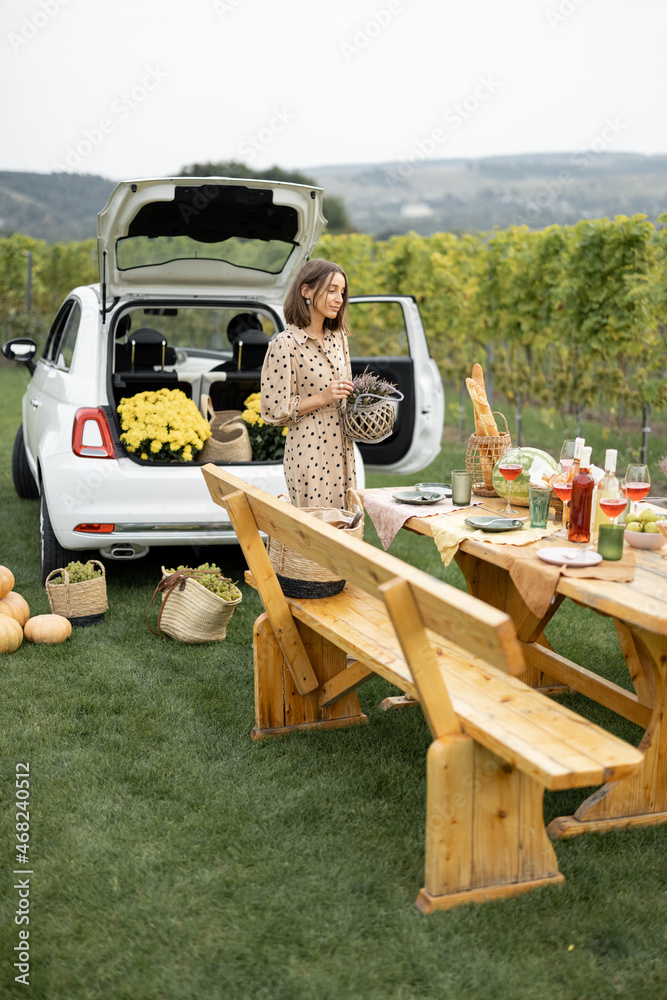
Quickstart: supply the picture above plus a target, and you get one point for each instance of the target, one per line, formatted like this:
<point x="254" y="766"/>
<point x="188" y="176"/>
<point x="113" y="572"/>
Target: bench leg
<point x="485" y="836"/>
<point x="279" y="708"/>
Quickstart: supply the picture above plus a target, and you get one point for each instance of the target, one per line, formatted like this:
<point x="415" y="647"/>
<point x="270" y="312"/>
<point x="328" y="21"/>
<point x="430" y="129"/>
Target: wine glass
<point x="637" y="484"/>
<point x="614" y="503"/>
<point x="567" y="455"/>
<point x="562" y="487"/>
<point x="510" y="466"/>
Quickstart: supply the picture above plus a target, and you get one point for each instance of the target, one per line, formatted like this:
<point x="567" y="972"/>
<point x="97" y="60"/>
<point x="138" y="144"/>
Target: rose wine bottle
<point x="582" y="500"/>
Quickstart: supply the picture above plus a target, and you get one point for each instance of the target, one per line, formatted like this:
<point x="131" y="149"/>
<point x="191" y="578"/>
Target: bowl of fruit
<point x="646" y="530"/>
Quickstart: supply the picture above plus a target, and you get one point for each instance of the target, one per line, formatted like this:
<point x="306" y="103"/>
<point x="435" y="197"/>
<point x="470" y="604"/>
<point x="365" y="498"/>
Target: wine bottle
<point x="609" y="488"/>
<point x="574" y="468"/>
<point x="582" y="500"/>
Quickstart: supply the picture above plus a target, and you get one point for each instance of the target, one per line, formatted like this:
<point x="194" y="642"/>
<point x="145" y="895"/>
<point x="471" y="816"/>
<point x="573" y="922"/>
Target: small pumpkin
<point x="16" y="607"/>
<point x="11" y="634"/>
<point x="6" y="581"/>
<point x="47" y="629"/>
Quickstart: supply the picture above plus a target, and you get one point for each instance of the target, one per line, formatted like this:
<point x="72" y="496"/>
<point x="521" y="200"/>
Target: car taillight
<point x="91" y="437"/>
<point x="95" y="529"/>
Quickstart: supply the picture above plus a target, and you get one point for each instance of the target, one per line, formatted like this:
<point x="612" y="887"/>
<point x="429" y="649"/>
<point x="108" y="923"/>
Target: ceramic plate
<point x="491" y="522"/>
<point x="417" y="497"/>
<point x="569" y="557"/>
<point x="443" y="488"/>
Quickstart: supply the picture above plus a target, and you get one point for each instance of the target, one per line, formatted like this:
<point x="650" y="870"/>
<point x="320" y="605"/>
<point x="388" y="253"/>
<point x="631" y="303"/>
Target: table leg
<point x="640" y="800"/>
<point x="494" y="585"/>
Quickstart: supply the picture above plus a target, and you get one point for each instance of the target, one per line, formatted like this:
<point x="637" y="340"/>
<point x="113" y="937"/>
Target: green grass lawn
<point x="176" y="859"/>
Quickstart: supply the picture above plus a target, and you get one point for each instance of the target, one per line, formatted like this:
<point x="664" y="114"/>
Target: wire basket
<point x="189" y="611"/>
<point x="481" y="456"/>
<point x="82" y="603"/>
<point x="371" y="418"/>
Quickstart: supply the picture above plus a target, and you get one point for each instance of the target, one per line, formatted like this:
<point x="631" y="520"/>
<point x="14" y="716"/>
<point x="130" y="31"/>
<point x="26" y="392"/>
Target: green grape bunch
<point x="213" y="580"/>
<point x="79" y="572"/>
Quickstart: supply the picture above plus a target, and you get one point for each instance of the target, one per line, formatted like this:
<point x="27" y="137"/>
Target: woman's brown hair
<point x="316" y="274"/>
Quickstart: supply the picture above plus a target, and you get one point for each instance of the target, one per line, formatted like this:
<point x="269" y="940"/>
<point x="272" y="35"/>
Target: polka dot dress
<point x="319" y="457"/>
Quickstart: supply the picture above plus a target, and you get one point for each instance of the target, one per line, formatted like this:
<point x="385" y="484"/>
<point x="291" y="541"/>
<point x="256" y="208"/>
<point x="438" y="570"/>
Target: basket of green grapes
<point x="78" y="592"/>
<point x="197" y="603"/>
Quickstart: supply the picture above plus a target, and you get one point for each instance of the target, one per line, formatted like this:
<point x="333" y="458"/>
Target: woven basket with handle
<point x="481" y="456"/>
<point x="301" y="577"/>
<point x="189" y="612"/>
<point x="229" y="440"/>
<point x="82" y="603"/>
<point x="370" y="419"/>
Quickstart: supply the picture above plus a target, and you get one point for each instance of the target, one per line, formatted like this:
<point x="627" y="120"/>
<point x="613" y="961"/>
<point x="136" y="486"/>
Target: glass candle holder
<point x="539" y="498"/>
<point x="610" y="541"/>
<point x="461" y="487"/>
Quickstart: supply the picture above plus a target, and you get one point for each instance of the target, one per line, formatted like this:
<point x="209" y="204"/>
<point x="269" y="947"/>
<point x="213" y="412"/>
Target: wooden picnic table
<point x="639" y="613"/>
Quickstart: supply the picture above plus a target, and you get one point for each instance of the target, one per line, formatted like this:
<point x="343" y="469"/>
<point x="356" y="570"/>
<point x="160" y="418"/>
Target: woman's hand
<point x="331" y="396"/>
<point x="340" y="389"/>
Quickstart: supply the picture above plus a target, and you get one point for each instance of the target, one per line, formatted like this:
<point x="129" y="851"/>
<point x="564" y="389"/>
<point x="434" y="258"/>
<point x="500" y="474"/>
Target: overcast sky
<point x="136" y="88"/>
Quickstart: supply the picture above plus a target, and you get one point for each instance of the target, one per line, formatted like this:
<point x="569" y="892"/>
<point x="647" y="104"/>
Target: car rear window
<point x="258" y="255"/>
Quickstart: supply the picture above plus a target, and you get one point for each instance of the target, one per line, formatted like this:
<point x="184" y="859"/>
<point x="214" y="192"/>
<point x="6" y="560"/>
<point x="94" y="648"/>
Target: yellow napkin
<point x="449" y="536"/>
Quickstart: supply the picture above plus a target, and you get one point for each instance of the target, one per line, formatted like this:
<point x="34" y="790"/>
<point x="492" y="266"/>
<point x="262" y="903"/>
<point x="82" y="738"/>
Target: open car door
<point x="387" y="336"/>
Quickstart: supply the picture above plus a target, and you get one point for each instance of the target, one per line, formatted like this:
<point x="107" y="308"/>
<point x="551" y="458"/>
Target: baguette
<point x="485" y="422"/>
<point x="478" y="375"/>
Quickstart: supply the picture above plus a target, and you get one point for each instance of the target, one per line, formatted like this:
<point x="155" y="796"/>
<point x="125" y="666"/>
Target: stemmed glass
<point x="562" y="487"/>
<point x="510" y="466"/>
<point x="637" y="484"/>
<point x="567" y="455"/>
<point x="614" y="503"/>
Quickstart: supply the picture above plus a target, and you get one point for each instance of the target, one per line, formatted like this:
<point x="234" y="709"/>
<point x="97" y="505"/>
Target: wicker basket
<point x="301" y="577"/>
<point x="81" y="603"/>
<point x="189" y="611"/>
<point x="371" y="418"/>
<point x="481" y="456"/>
<point x="229" y="440"/>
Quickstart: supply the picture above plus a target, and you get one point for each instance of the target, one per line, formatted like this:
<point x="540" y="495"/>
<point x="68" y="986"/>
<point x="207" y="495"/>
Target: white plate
<point x="569" y="557"/>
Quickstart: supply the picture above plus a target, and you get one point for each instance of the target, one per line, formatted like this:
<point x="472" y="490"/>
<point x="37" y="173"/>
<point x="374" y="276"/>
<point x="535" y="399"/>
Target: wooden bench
<point x="497" y="744"/>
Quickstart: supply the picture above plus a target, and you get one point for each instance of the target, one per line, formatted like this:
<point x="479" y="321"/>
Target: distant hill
<point x="475" y="195"/>
<point x="427" y="196"/>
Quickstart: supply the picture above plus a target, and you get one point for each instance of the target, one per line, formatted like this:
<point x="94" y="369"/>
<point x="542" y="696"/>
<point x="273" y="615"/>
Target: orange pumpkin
<point x="11" y="634"/>
<point x="16" y="607"/>
<point x="6" y="581"/>
<point x="47" y="629"/>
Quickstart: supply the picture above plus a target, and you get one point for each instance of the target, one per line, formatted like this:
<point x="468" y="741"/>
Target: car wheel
<point x="24" y="481"/>
<point x="51" y="553"/>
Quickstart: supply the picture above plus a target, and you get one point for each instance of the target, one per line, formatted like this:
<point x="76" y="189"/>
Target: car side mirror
<point x="21" y="349"/>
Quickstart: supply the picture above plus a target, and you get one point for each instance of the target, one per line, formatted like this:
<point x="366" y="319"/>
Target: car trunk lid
<point x="181" y="235"/>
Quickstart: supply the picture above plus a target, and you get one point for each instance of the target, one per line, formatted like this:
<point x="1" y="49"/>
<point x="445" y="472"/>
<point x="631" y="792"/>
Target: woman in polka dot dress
<point x="305" y="378"/>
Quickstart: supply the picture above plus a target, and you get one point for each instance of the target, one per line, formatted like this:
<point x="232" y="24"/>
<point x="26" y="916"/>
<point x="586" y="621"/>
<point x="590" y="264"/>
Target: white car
<point x="185" y="264"/>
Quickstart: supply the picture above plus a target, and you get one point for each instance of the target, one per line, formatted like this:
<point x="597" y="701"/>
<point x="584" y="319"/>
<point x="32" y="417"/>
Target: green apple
<point x="633" y="526"/>
<point x="647" y="515"/>
<point x="629" y="518"/>
<point x="651" y="528"/>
